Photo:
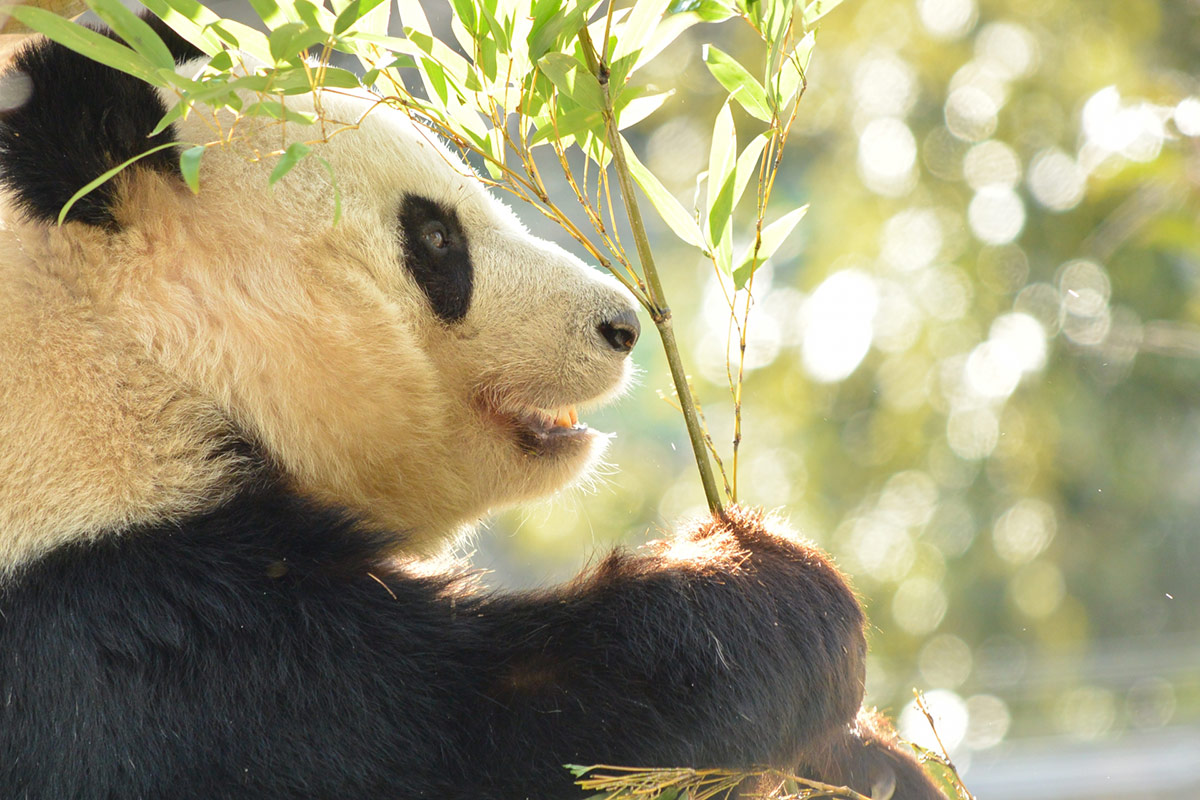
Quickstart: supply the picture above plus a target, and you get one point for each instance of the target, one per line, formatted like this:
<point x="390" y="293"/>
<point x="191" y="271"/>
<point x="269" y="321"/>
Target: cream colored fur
<point x="128" y="359"/>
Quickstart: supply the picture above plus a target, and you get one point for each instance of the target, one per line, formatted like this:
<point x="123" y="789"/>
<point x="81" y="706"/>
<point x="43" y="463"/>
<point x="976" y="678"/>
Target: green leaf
<point x="707" y="10"/>
<point x="135" y="31"/>
<point x="573" y="80"/>
<point x="222" y="61"/>
<point x="578" y="123"/>
<point x="746" y="164"/>
<point x="817" y="9"/>
<point x="637" y="109"/>
<point x="791" y="72"/>
<point x="669" y="209"/>
<point x="189" y="165"/>
<point x="722" y="163"/>
<point x="413" y="17"/>
<point x="104" y="176"/>
<point x="184" y="24"/>
<point x="352" y="14"/>
<point x="738" y="81"/>
<point x="270" y="13"/>
<point x="87" y="42"/>
<point x="465" y="12"/>
<point x="637" y="30"/>
<point x="552" y="21"/>
<point x="771" y="238"/>
<point x="174" y="113"/>
<point x="292" y="38"/>
<point x="338" y="78"/>
<point x="295" y="152"/>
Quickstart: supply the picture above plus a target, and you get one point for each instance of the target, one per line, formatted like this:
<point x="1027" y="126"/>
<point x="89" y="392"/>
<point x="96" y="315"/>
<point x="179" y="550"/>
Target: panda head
<point x="417" y="363"/>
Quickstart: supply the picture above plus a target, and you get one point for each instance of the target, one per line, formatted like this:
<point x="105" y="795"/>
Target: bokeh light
<point x="837" y="321"/>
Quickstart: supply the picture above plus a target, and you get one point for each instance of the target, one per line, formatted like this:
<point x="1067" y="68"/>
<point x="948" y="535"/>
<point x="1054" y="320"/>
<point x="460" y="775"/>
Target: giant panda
<point x="228" y="429"/>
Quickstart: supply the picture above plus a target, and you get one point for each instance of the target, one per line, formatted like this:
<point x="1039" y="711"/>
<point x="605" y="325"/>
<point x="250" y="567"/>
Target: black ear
<point x="73" y="120"/>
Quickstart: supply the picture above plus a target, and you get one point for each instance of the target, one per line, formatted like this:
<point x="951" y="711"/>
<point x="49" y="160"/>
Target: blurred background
<point x="973" y="375"/>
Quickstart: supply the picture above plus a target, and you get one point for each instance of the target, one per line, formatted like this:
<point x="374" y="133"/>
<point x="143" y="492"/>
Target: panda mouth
<point x="540" y="431"/>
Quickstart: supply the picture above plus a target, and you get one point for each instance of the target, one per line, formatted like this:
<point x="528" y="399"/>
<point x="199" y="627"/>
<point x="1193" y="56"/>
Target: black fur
<point x="269" y="650"/>
<point x="437" y="254"/>
<point x="81" y="119"/>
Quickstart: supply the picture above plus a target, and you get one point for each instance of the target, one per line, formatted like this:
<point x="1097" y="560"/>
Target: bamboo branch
<point x="655" y="301"/>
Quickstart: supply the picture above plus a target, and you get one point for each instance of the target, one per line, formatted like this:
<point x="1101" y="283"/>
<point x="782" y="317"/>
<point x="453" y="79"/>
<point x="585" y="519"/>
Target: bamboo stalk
<point x="655" y="301"/>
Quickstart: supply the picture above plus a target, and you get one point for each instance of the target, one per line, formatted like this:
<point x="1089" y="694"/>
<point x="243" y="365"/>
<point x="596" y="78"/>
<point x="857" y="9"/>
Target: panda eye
<point x="435" y="236"/>
<point x="435" y="249"/>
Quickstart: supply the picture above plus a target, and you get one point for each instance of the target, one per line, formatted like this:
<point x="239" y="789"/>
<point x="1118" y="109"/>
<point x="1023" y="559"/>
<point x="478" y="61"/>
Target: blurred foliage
<point x="974" y="371"/>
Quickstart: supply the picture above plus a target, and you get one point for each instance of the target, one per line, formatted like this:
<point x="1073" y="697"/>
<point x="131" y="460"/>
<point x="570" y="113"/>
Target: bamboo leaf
<point x="206" y="30"/>
<point x="770" y="239"/>
<point x="638" y="108"/>
<point x="174" y="113"/>
<point x="567" y="125"/>
<point x="270" y="13"/>
<point x="183" y="24"/>
<point x="552" y="22"/>
<point x="746" y="165"/>
<point x="573" y="79"/>
<point x="669" y="209"/>
<point x="292" y="38"/>
<point x="189" y="165"/>
<point x="352" y="13"/>
<point x="722" y="164"/>
<point x="104" y="176"/>
<point x="738" y="81"/>
<point x="295" y="152"/>
<point x="817" y="9"/>
<point x="638" y="28"/>
<point x="791" y="72"/>
<point x="87" y="42"/>
<point x="135" y="31"/>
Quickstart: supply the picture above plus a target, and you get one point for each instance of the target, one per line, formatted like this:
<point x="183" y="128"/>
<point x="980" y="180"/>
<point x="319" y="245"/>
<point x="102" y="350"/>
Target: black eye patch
<point x="436" y="255"/>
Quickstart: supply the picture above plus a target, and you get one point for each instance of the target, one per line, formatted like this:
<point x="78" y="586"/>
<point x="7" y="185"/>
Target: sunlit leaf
<point x="291" y="39"/>
<point x="573" y="80"/>
<point x="134" y="31"/>
<point x="738" y="81"/>
<point x="270" y="13"/>
<point x="638" y="108"/>
<point x="578" y="122"/>
<point x="553" y="21"/>
<point x="772" y="237"/>
<point x="189" y="166"/>
<point x="87" y="42"/>
<point x="355" y="11"/>
<point x="746" y="165"/>
<point x="638" y="28"/>
<point x="817" y="9"/>
<point x="295" y="152"/>
<point x="190" y="29"/>
<point x="173" y="115"/>
<point x="669" y="209"/>
<point x="104" y="177"/>
<point x="722" y="162"/>
<point x="791" y="73"/>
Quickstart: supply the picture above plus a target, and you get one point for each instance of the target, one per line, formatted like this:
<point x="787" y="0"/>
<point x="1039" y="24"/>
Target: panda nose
<point x="621" y="331"/>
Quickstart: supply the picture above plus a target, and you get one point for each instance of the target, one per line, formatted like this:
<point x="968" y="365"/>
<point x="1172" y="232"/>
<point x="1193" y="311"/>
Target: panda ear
<point x="65" y="120"/>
